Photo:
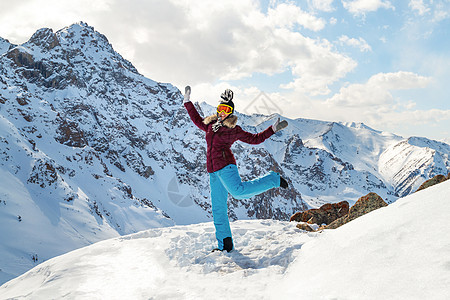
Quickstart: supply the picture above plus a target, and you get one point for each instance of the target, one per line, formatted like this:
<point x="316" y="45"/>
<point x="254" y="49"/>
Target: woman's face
<point x="222" y="115"/>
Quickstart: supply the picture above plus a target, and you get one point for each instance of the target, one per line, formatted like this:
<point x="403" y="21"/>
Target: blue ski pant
<point x="227" y="180"/>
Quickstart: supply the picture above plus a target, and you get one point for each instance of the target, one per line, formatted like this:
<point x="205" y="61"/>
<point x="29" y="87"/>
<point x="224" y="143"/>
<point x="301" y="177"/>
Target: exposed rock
<point x="435" y="180"/>
<point x="22" y="101"/>
<point x="21" y="58"/>
<point x="136" y="162"/>
<point x="326" y="214"/>
<point x="32" y="70"/>
<point x="25" y="115"/>
<point x="43" y="174"/>
<point x="363" y="206"/>
<point x="45" y="38"/>
<point x="304" y="226"/>
<point x="69" y="134"/>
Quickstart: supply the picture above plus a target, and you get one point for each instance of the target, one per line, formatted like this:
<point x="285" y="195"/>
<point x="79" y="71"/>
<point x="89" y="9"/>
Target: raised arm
<point x="251" y="138"/>
<point x="192" y="111"/>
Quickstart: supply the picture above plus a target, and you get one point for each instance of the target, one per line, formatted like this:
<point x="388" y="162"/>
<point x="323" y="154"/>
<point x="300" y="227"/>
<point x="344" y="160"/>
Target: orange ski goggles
<point x="224" y="108"/>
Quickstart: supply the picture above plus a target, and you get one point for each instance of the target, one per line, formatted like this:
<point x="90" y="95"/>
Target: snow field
<point x="397" y="252"/>
<point x="170" y="262"/>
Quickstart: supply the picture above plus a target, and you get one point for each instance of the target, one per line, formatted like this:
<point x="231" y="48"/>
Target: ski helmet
<point x="227" y="97"/>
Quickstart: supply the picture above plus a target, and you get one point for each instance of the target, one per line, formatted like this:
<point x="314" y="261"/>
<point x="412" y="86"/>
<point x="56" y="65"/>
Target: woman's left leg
<point x="219" y="197"/>
<point x="229" y="176"/>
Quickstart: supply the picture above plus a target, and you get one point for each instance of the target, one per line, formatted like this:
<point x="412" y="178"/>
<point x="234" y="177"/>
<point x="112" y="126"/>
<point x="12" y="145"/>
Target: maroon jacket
<point x="218" y="152"/>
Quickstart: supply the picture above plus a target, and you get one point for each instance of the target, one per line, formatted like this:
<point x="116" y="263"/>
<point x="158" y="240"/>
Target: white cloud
<point x="288" y="15"/>
<point x="358" y="43"/>
<point x="377" y="90"/>
<point x="431" y="123"/>
<point x="374" y="104"/>
<point x="20" y="19"/>
<point x="229" y="40"/>
<point x="246" y="100"/>
<point x="322" y="67"/>
<point x="419" y="7"/>
<point x="184" y="42"/>
<point x="322" y="5"/>
<point x="210" y="93"/>
<point x="441" y="12"/>
<point x="384" y="112"/>
<point x="360" y="7"/>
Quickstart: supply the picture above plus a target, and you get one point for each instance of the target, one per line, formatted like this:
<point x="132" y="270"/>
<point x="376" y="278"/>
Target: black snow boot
<point x="227" y="244"/>
<point x="283" y="183"/>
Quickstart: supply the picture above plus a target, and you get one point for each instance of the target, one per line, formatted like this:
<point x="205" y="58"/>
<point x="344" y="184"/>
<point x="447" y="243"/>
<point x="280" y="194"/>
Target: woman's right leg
<point x="229" y="176"/>
<point x="219" y="197"/>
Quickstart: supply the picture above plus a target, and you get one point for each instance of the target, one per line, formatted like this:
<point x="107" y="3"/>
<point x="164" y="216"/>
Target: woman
<point x="221" y="132"/>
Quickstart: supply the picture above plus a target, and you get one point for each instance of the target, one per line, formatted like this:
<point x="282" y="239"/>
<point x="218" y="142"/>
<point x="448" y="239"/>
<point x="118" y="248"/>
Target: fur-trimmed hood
<point x="229" y="122"/>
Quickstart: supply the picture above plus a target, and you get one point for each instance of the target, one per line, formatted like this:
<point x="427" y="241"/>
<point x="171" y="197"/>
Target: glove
<point x="187" y="94"/>
<point x="279" y="125"/>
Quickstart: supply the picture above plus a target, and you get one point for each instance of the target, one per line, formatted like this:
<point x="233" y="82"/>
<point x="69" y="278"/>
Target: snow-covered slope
<point x="396" y="252"/>
<point x="405" y="164"/>
<point x="90" y="149"/>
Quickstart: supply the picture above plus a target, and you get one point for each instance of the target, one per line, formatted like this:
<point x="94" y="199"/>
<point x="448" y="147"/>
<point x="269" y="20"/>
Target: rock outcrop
<point x="363" y="206"/>
<point x="326" y="214"/>
<point x="435" y="180"/>
<point x="332" y="216"/>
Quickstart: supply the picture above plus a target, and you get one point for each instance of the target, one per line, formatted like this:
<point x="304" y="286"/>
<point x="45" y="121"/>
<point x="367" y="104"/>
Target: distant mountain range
<point x="91" y="149"/>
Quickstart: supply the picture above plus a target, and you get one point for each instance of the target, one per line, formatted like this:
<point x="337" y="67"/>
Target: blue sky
<point x="380" y="62"/>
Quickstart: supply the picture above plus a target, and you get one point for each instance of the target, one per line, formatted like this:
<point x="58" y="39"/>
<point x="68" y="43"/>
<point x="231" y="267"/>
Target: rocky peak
<point x="84" y="41"/>
<point x="76" y="55"/>
<point x="45" y="39"/>
<point x="84" y="36"/>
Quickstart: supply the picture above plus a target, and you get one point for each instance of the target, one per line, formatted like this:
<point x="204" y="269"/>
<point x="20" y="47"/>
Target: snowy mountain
<point x="4" y="45"/>
<point x="90" y="149"/>
<point x="331" y="162"/>
<point x="390" y="253"/>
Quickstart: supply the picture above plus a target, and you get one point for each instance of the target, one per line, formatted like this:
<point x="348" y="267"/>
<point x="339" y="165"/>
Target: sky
<point x="383" y="63"/>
